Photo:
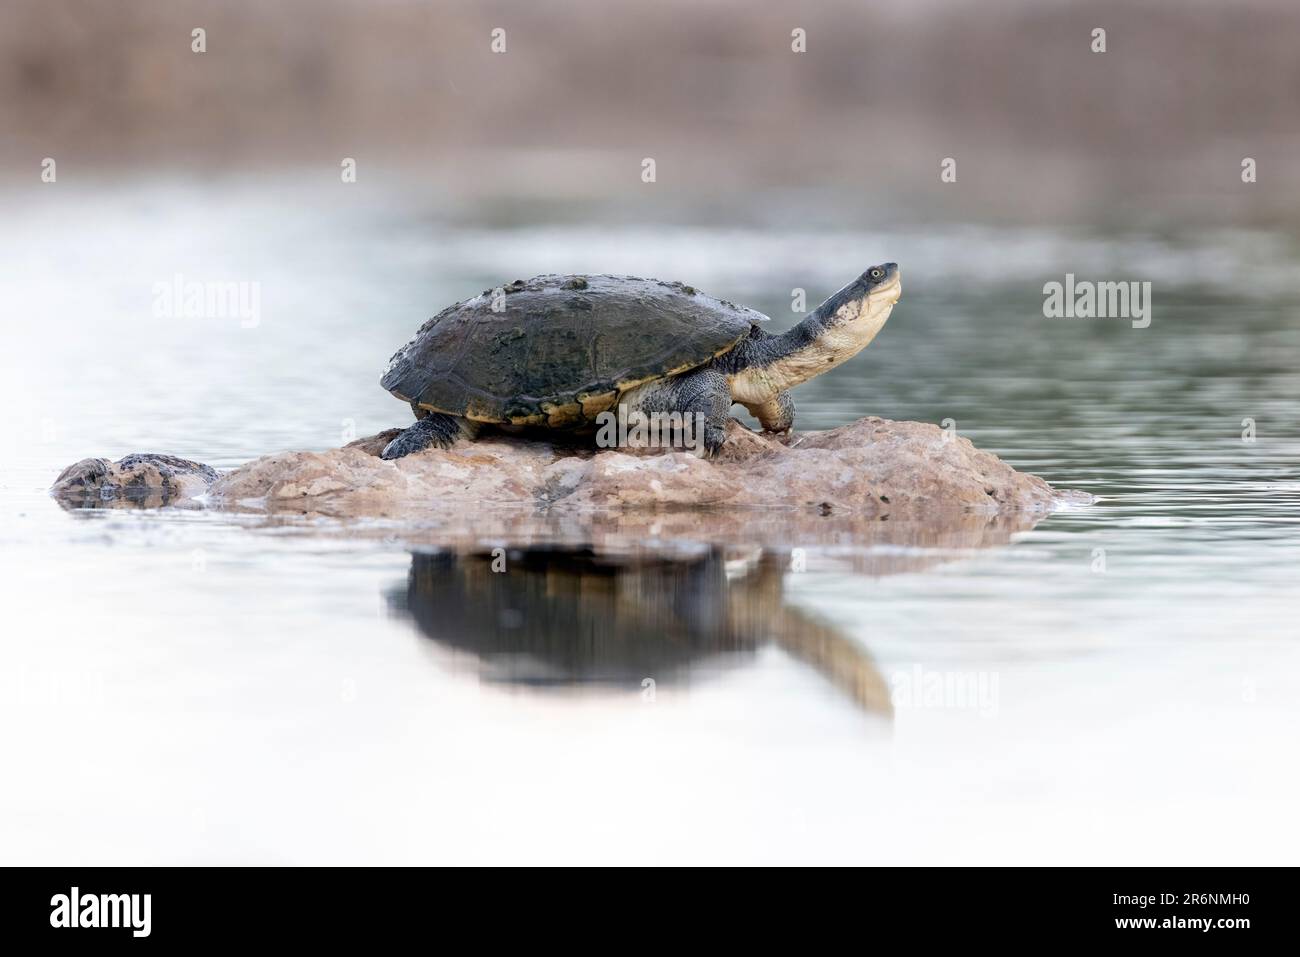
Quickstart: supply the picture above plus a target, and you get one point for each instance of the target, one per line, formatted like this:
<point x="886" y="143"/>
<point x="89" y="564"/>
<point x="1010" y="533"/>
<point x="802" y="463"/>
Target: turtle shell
<point x="560" y="349"/>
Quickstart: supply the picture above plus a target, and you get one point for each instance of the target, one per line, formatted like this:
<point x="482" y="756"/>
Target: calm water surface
<point x="1117" y="683"/>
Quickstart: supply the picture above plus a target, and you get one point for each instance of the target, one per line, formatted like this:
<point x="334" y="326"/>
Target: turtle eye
<point x="877" y="273"/>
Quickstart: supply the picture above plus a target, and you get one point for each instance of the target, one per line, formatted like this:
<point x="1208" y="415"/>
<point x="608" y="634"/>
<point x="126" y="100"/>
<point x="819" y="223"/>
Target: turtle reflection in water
<point x="572" y="616"/>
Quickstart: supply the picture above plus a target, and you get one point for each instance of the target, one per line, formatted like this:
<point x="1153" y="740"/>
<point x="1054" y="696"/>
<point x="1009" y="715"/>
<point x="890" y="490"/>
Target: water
<point x="1114" y="684"/>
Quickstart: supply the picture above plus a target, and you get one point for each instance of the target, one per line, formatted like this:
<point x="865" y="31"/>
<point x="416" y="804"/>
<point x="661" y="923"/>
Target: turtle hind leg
<point x="435" y="430"/>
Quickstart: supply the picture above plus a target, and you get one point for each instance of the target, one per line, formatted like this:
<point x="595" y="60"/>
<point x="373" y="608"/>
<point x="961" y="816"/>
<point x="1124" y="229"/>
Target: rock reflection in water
<point x="560" y="615"/>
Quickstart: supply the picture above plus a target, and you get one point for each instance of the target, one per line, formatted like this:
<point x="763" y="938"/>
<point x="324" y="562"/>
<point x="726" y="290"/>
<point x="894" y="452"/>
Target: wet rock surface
<point x="873" y="467"/>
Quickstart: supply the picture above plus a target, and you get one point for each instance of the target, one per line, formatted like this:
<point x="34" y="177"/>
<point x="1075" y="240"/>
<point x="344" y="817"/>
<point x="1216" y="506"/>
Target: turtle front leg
<point x="699" y="402"/>
<point x="706" y="394"/>
<point x="435" y="430"/>
<point x="775" y="415"/>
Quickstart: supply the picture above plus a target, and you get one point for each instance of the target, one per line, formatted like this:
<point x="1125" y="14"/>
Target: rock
<point x="872" y="467"/>
<point x="141" y="479"/>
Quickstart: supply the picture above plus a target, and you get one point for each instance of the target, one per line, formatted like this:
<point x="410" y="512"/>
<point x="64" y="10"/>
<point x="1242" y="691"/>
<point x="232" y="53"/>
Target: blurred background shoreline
<point x="1150" y="133"/>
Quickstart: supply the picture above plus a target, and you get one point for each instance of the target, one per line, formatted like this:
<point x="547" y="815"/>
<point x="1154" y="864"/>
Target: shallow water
<point x="1115" y="684"/>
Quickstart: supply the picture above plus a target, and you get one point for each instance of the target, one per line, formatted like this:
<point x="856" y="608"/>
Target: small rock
<point x="142" y="479"/>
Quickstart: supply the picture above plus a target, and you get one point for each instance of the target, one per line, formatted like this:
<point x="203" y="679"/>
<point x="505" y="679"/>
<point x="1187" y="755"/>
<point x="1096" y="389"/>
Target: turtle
<point x="559" y="352"/>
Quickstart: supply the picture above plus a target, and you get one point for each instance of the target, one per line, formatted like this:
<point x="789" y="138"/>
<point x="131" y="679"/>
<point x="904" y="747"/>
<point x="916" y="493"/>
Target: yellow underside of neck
<point x="835" y="345"/>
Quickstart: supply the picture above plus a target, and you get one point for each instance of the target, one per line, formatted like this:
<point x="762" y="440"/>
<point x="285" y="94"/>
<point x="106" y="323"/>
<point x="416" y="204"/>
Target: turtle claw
<point x="435" y="430"/>
<point x="714" y="438"/>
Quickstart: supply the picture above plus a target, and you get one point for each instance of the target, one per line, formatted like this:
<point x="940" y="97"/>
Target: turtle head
<point x="837" y="330"/>
<point x="834" y="332"/>
<point x="865" y="301"/>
